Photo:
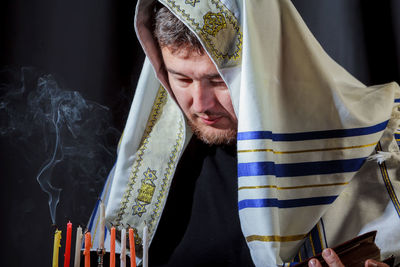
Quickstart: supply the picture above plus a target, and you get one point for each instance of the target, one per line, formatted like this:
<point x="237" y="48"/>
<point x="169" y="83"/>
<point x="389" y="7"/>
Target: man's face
<point x="202" y="95"/>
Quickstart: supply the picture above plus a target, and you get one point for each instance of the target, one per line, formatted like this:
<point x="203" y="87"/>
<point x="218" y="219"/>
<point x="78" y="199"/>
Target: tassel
<point x="380" y="157"/>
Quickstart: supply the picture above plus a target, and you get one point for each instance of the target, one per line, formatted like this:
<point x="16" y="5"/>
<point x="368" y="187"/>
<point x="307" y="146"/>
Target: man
<point x="305" y="128"/>
<point x="195" y="82"/>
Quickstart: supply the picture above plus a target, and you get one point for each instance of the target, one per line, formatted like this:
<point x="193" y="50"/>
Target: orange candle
<point x="112" y="247"/>
<point x="67" y="254"/>
<point x="86" y="252"/>
<point x="132" y="247"/>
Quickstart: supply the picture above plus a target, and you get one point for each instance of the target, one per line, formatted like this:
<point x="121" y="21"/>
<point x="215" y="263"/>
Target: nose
<point x="203" y="97"/>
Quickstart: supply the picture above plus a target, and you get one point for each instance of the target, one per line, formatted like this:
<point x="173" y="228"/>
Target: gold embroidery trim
<point x="290" y="187"/>
<point x="231" y="18"/>
<point x="235" y="55"/>
<point x="213" y="23"/>
<point x="158" y="105"/>
<point x="304" y="151"/>
<point x="274" y="238"/>
<point x="145" y="192"/>
<point x="192" y="2"/>
<point x="167" y="176"/>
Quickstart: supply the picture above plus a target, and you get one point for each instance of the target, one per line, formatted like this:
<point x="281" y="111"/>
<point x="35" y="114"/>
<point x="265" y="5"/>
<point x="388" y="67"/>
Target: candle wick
<point x="54" y="226"/>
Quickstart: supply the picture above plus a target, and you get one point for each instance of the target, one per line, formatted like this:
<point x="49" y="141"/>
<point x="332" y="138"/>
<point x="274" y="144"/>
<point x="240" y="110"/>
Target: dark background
<point x="90" y="48"/>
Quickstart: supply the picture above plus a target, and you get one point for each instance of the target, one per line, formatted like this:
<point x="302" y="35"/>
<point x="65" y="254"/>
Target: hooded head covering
<point x="305" y="130"/>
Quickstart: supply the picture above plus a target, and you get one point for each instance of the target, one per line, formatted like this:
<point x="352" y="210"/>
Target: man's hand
<point x="332" y="259"/>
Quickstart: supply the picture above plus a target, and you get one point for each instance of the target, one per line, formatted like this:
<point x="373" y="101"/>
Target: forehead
<point x="188" y="62"/>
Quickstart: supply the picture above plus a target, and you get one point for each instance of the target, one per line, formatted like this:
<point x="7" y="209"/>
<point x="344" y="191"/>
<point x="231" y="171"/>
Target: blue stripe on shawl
<point x="323" y="231"/>
<point x="311" y="135"/>
<point x="311" y="246"/>
<point x="94" y="215"/>
<point x="397" y="137"/>
<point x="299" y="169"/>
<point x="288" y="203"/>
<point x="303" y="252"/>
<point x="316" y="240"/>
<point x="397" y="100"/>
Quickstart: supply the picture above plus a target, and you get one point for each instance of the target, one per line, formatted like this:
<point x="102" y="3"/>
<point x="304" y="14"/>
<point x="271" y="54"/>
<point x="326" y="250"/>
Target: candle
<point x="123" y="248"/>
<point x="132" y="247"/>
<point x="145" y="247"/>
<point x="56" y="247"/>
<point x="67" y="254"/>
<point x="112" y="247"/>
<point x="87" y="249"/>
<point x="77" y="262"/>
<point x="102" y="224"/>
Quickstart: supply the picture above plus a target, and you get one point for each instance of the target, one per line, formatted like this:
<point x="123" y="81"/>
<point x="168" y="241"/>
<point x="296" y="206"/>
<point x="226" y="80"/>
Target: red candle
<point x="67" y="255"/>
<point x="132" y="247"/>
<point x="112" y="247"/>
<point x="86" y="252"/>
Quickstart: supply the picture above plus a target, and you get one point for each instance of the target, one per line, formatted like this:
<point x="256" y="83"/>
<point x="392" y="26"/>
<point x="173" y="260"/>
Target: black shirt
<point x="200" y="223"/>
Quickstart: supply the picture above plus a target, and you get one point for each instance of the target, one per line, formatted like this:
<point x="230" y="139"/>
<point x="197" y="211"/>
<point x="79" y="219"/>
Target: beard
<point x="214" y="136"/>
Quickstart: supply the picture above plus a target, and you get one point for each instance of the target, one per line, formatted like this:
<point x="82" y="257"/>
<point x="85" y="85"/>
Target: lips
<point x="210" y="120"/>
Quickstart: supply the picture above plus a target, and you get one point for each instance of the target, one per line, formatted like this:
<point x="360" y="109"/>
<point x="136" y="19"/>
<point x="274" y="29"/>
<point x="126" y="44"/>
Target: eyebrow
<point x="208" y="76"/>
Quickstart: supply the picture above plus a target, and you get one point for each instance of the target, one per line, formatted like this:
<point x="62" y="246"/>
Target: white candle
<point x="145" y="247"/>
<point x="123" y="247"/>
<point x="77" y="261"/>
<point x="102" y="224"/>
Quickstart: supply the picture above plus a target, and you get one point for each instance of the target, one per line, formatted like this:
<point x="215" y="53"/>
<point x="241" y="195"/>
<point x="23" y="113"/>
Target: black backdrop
<point x="73" y="118"/>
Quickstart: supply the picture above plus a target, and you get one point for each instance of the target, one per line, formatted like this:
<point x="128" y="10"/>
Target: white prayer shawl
<point x="306" y="128"/>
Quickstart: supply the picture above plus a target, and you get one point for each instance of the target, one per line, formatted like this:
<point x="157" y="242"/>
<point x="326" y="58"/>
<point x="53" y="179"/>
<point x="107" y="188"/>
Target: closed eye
<point x="183" y="80"/>
<point x="218" y="82"/>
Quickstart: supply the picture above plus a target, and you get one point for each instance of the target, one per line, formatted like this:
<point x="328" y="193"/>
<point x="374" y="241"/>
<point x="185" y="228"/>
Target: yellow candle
<point x="57" y="241"/>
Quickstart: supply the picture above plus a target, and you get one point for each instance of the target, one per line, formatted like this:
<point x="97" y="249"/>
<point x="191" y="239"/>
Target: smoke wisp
<point x="57" y="124"/>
